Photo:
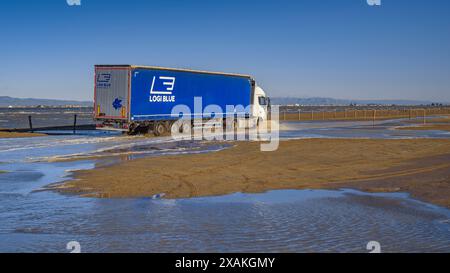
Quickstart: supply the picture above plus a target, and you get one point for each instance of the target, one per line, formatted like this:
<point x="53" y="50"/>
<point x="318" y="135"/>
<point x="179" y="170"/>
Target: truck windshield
<point x="262" y="100"/>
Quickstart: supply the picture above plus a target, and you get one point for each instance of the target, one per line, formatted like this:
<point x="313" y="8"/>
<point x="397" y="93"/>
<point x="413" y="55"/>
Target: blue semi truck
<point x="141" y="99"/>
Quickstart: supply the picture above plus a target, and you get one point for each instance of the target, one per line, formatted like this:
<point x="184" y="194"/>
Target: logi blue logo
<point x="104" y="80"/>
<point x="165" y="85"/>
<point x="162" y="89"/>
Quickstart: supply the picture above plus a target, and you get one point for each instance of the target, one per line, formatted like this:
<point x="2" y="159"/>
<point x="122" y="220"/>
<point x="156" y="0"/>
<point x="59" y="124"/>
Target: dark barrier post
<point x="30" y="123"/>
<point x="74" y="123"/>
<point x="374" y="117"/>
<point x="424" y="116"/>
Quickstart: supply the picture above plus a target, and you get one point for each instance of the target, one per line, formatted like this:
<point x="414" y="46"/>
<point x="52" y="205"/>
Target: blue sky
<point x="327" y="48"/>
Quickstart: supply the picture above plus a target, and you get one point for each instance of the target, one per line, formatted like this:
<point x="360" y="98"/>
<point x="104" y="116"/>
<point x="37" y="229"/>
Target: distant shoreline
<point x="286" y="101"/>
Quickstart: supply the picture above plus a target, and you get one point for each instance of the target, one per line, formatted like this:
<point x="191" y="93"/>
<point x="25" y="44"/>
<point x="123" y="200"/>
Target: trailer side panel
<point x="154" y="92"/>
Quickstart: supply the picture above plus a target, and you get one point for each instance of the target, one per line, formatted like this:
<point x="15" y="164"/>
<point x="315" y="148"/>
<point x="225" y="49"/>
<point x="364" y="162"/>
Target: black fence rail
<point x="73" y="127"/>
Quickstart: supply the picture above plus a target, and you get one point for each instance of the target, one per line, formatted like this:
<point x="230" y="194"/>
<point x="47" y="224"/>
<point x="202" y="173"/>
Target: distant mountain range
<point x="331" y="101"/>
<point x="6" y="101"/>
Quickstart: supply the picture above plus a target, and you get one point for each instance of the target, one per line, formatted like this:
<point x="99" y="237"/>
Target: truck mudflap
<point x="112" y="127"/>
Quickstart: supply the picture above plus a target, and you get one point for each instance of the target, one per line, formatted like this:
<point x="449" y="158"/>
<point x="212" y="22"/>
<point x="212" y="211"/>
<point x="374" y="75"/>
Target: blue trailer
<point x="142" y="98"/>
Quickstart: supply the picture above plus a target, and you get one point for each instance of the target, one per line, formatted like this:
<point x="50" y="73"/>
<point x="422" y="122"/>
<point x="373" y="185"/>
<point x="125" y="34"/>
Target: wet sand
<point x="17" y="135"/>
<point x="431" y="120"/>
<point x="442" y="124"/>
<point x="440" y="127"/>
<point x="418" y="166"/>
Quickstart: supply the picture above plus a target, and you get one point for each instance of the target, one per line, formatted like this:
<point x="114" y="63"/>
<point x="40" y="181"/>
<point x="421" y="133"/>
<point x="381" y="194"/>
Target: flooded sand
<point x="33" y="220"/>
<point x="296" y="164"/>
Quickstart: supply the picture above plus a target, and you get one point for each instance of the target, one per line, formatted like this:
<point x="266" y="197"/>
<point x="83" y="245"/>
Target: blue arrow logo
<point x="117" y="104"/>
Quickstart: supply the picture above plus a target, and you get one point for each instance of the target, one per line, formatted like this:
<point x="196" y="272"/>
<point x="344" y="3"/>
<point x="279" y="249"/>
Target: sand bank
<point x="441" y="124"/>
<point x="431" y="120"/>
<point x="17" y="135"/>
<point x="439" y="127"/>
<point x="418" y="166"/>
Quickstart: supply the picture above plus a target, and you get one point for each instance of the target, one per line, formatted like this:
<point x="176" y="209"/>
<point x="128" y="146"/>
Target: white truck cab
<point x="261" y="105"/>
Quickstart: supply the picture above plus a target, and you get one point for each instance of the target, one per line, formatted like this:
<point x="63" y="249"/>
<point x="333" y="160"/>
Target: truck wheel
<point x="132" y="129"/>
<point x="259" y="122"/>
<point x="180" y="127"/>
<point x="176" y="127"/>
<point x="160" y="129"/>
<point x="186" y="127"/>
<point x="229" y="125"/>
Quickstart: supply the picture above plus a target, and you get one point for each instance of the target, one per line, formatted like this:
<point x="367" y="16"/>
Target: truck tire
<point x="229" y="124"/>
<point x="159" y="129"/>
<point x="132" y="129"/>
<point x="259" y="122"/>
<point x="186" y="127"/>
<point x="180" y="127"/>
<point x="176" y="127"/>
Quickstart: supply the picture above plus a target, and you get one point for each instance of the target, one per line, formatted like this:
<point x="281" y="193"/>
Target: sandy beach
<point x="418" y="166"/>
<point x="17" y="135"/>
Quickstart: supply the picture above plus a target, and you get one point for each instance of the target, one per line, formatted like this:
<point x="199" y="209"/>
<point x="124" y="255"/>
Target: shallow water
<point x="287" y="221"/>
<point x="43" y="117"/>
<point x="290" y="220"/>
<point x="95" y="144"/>
<point x="355" y="129"/>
